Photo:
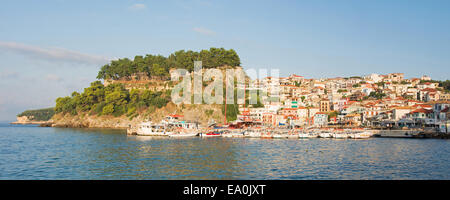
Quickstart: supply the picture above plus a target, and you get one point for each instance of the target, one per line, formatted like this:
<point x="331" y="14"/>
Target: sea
<point x="42" y="153"/>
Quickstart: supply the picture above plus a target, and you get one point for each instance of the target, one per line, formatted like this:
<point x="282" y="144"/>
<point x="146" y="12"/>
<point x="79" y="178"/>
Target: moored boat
<point x="307" y="135"/>
<point x="252" y="133"/>
<point x="325" y="135"/>
<point x="279" y="136"/>
<point x="361" y="135"/>
<point x="211" y="134"/>
<point x="292" y="136"/>
<point x="340" y="135"/>
<point x="183" y="135"/>
<point x="149" y="129"/>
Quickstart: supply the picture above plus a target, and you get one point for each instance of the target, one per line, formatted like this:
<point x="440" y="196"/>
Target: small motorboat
<point x="292" y="136"/>
<point x="252" y="133"/>
<point x="307" y="135"/>
<point x="279" y="136"/>
<point x="362" y="135"/>
<point x="183" y="135"/>
<point x="325" y="135"/>
<point x="340" y="135"/>
<point x="211" y="134"/>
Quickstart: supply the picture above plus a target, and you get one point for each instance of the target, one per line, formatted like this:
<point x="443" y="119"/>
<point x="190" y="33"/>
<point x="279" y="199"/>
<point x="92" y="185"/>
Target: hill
<point x="139" y="89"/>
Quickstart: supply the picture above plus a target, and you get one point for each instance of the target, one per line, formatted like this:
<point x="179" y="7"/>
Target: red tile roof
<point x="422" y="110"/>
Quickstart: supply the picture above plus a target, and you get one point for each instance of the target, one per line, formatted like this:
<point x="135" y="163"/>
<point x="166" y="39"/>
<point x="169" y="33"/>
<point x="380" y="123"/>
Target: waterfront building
<point x="400" y="112"/>
<point x="320" y="119"/>
<point x="353" y="119"/>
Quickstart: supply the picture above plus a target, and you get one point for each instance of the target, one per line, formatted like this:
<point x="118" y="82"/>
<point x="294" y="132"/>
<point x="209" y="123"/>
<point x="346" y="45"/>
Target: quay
<point x="410" y="134"/>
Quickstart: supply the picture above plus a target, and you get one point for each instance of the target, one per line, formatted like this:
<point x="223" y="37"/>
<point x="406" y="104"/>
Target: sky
<point x="49" y="49"/>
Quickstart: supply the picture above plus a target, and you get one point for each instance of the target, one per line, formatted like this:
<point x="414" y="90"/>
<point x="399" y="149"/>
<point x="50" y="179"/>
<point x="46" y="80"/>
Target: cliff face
<point x="199" y="113"/>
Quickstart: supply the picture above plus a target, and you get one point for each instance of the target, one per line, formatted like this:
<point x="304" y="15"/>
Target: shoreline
<point x="31" y="122"/>
<point x="412" y="134"/>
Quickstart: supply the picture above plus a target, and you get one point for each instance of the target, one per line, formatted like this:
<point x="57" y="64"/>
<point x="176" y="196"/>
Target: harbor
<point x="171" y="126"/>
<point x="87" y="153"/>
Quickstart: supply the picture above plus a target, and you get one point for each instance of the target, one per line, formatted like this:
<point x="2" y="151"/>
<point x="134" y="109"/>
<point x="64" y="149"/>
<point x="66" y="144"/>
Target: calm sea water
<point x="30" y="152"/>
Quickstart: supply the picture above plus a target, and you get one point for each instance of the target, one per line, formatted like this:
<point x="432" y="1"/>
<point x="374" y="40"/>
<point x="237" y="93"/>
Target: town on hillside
<point x="372" y="101"/>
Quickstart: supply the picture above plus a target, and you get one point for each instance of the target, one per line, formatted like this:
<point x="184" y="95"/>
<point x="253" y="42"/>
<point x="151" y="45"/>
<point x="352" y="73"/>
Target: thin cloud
<point x="138" y="6"/>
<point x="53" y="54"/>
<point x="204" y="31"/>
<point x="53" y="77"/>
<point x="8" y="74"/>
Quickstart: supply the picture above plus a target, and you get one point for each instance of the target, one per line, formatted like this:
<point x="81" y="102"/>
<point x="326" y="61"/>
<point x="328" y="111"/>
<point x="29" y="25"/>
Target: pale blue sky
<point x="51" y="48"/>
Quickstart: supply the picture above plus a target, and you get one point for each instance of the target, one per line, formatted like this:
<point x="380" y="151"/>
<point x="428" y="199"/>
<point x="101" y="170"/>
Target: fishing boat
<point x="252" y="133"/>
<point x="184" y="135"/>
<point x="292" y="136"/>
<point x="340" y="135"/>
<point x="307" y="135"/>
<point x="227" y="135"/>
<point x="361" y="135"/>
<point x="326" y="135"/>
<point x="149" y="129"/>
<point x="279" y="136"/>
<point x="211" y="134"/>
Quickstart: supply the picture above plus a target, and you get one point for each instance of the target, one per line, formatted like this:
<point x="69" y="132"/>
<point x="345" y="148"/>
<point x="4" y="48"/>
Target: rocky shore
<point x="89" y="121"/>
<point x="199" y="113"/>
<point x="27" y="120"/>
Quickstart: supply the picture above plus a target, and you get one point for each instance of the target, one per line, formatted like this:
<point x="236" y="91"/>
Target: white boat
<point x="211" y="134"/>
<point x="252" y="133"/>
<point x="167" y="127"/>
<point x="183" y="135"/>
<point x="326" y="135"/>
<point x="292" y="136"/>
<point x="362" y="135"/>
<point x="149" y="129"/>
<point x="307" y="135"/>
<point x="340" y="135"/>
<point x="227" y="135"/>
<point x="279" y="136"/>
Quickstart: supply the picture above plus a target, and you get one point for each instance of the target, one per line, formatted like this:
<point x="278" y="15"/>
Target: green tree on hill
<point x="157" y="65"/>
<point x="113" y="99"/>
<point x="38" y="115"/>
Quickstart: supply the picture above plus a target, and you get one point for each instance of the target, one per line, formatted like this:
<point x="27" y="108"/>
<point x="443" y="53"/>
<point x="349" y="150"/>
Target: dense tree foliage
<point x="113" y="99"/>
<point x="38" y="115"/>
<point x="157" y="65"/>
<point x="377" y="95"/>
